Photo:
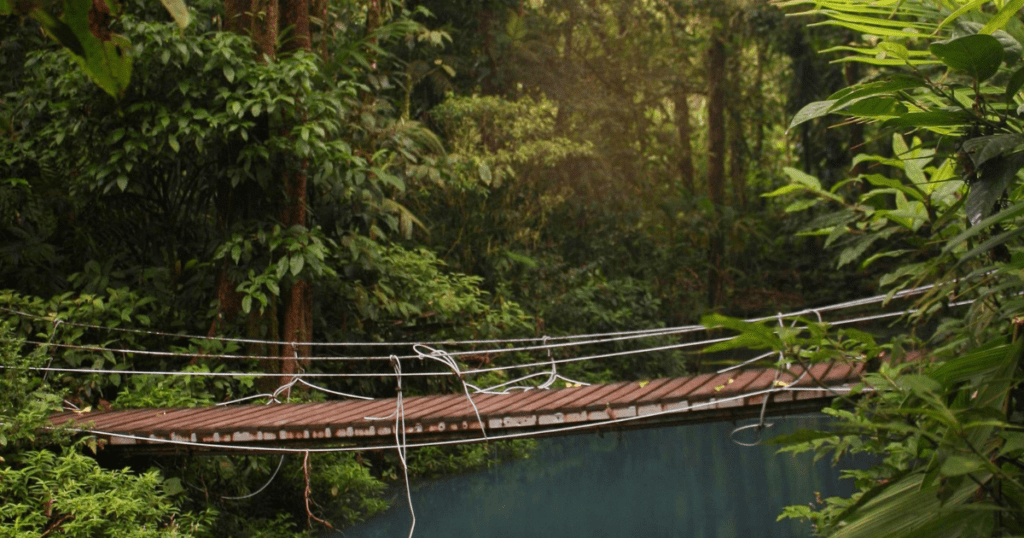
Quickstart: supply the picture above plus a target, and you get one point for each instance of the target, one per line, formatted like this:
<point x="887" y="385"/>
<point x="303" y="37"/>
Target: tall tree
<point x="298" y="306"/>
<point x="715" y="66"/>
<point x="681" y="102"/>
<point x="737" y="105"/>
<point x="278" y="29"/>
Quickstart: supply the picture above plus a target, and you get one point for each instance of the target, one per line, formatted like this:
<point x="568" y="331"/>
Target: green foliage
<point x="177" y="391"/>
<point x="352" y="492"/>
<point x="25" y="403"/>
<point x="942" y="209"/>
<point x="896" y="213"/>
<point x="591" y="302"/>
<point x="82" y="29"/>
<point x="200" y="134"/>
<point x="70" y="328"/>
<point x="286" y="255"/>
<point x="918" y="211"/>
<point x="944" y="437"/>
<point x="67" y="492"/>
<point x="532" y="211"/>
<point x="799" y="340"/>
<point x="501" y="190"/>
<point x="70" y="494"/>
<point x="342" y="489"/>
<point x="132" y="209"/>
<point x="412" y="292"/>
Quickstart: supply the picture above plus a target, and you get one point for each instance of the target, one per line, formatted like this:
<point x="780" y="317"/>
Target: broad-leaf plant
<point x="938" y="203"/>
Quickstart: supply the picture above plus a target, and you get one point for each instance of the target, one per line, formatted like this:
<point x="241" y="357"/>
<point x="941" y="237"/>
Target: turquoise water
<point x="687" y="481"/>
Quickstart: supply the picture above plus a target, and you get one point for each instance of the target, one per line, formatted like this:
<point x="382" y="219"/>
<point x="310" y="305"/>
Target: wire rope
<point x="639" y="333"/>
<point x="473" y="371"/>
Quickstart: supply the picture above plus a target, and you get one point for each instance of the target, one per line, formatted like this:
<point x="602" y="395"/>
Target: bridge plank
<point x="661" y="391"/>
<point x="431" y="406"/>
<point x="743" y="382"/>
<point x="545" y="399"/>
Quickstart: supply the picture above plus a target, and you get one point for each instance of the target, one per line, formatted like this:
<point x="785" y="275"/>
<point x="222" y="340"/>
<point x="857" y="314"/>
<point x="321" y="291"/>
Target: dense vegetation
<point x="945" y="205"/>
<point x="369" y="171"/>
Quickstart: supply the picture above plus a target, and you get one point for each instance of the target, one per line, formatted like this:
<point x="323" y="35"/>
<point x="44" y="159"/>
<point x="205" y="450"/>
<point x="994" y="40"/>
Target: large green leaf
<point x="993" y="179"/>
<point x="751" y="335"/>
<point x="1012" y="49"/>
<point x="1015" y="28"/>
<point x="934" y="118"/>
<point x="103" y="57"/>
<point x="857" y="91"/>
<point x="969" y="6"/>
<point x="1011" y="212"/>
<point x="803" y="178"/>
<point x="1011" y="46"/>
<point x="960" y="465"/>
<point x="179" y="12"/>
<point x="803" y="436"/>
<point x="995" y="391"/>
<point x="1005" y="14"/>
<point x="871" y="29"/>
<point x="882" y="181"/>
<point x="984" y="148"/>
<point x="907" y="509"/>
<point x="982" y="360"/>
<point x="59" y="31"/>
<point x="881" y="106"/>
<point x="879" y="21"/>
<point x="813" y="110"/>
<point x="978" y="55"/>
<point x="991" y="243"/>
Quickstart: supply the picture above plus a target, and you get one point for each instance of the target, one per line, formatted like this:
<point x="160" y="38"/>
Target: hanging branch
<point x="309" y="513"/>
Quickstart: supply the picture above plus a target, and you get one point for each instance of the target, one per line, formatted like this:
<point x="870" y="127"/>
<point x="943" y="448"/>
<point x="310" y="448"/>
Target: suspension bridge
<point x="443" y="419"/>
<point x="517" y="408"/>
<point x="514" y="409"/>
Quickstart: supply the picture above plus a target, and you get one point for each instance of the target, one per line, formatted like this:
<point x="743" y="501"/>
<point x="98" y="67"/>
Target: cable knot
<point x="393" y="360"/>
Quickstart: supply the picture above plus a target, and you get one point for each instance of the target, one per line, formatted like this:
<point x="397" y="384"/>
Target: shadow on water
<point x="688" y="481"/>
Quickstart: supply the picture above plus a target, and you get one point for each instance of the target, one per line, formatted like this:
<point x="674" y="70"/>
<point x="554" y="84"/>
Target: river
<point x="686" y="482"/>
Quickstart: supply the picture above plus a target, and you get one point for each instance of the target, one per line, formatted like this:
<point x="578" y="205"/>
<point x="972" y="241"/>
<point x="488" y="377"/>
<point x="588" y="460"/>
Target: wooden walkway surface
<point x="661" y="402"/>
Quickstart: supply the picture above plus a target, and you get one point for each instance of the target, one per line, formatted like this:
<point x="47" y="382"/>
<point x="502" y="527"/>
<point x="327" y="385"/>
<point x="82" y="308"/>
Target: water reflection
<point x="688" y="481"/>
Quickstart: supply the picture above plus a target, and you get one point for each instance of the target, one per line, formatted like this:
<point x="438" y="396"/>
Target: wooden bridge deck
<point x="661" y="402"/>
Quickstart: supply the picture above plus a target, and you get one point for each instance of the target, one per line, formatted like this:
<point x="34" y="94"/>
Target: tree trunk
<point x="738" y="151"/>
<point x="295" y="25"/>
<point x="229" y="301"/>
<point x="265" y="21"/>
<point x="738" y="156"/>
<point x="373" y="20"/>
<point x="759" y="102"/>
<point x="716" y="156"/>
<point x="296" y="299"/>
<point x="238" y="16"/>
<point x="264" y="28"/>
<point x="565" y="104"/>
<point x="682" y="117"/>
